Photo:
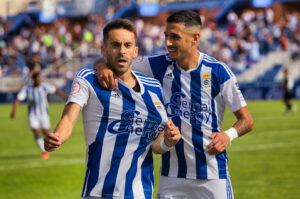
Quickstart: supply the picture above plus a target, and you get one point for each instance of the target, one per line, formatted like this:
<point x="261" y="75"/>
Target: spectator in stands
<point x="11" y="69"/>
<point x="254" y="54"/>
<point x="231" y="17"/>
<point x="295" y="49"/>
<point x="1" y="29"/>
<point x="110" y="12"/>
<point x="284" y="42"/>
<point x="62" y="39"/>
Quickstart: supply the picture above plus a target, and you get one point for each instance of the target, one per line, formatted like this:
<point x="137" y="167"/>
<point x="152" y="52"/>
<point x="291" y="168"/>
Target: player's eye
<point x="128" y="45"/>
<point x="173" y="36"/>
<point x="115" y="44"/>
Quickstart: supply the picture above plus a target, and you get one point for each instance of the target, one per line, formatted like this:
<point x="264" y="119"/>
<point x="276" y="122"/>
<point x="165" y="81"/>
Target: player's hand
<point x="105" y="76"/>
<point x="218" y="144"/>
<point x="172" y="134"/>
<point x="12" y="115"/>
<point x="52" y="142"/>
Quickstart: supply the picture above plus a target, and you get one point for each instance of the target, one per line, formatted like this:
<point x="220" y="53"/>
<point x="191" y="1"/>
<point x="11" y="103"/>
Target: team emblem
<point x="206" y="81"/>
<point x="159" y="106"/>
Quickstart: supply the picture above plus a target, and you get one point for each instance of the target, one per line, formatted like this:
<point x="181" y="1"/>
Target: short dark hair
<point x="119" y="24"/>
<point x="187" y="17"/>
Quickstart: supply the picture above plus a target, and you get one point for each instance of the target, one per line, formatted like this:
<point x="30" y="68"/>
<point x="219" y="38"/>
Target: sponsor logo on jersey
<point x="131" y="123"/>
<point x="195" y="112"/>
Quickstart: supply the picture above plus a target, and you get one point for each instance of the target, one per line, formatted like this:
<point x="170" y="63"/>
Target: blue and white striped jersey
<point x="36" y="97"/>
<point x="119" y="128"/>
<point x="195" y="100"/>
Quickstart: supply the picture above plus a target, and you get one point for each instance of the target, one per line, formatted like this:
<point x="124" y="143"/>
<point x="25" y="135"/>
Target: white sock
<point x="40" y="143"/>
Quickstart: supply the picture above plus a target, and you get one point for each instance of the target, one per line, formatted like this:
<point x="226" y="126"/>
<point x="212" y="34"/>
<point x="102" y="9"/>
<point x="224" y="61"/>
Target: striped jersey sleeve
<point x="23" y="93"/>
<point x="79" y="93"/>
<point x="50" y="89"/>
<point x="227" y="83"/>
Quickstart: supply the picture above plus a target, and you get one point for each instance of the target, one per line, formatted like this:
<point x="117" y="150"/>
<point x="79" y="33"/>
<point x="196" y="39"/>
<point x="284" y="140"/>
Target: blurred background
<point x="256" y="38"/>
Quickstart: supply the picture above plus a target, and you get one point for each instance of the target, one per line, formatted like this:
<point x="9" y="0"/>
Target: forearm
<point x="16" y="104"/>
<point x="245" y="122"/>
<point x="242" y="126"/>
<point x="14" y="108"/>
<point x="156" y="144"/>
<point x="67" y="122"/>
<point x="64" y="129"/>
<point x="61" y="94"/>
<point x="221" y="140"/>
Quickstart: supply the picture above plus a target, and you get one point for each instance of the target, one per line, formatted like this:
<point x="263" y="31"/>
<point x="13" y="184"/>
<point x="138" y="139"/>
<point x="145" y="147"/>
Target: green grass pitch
<point x="263" y="164"/>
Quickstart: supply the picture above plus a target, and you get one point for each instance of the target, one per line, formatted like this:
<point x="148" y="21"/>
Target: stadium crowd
<point x="245" y="39"/>
<point x="239" y="43"/>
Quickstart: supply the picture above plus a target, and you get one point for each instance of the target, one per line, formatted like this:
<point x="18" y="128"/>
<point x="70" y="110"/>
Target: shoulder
<point x="211" y="61"/>
<point x="48" y="88"/>
<point x="216" y="65"/>
<point x="45" y="84"/>
<point x="154" y="58"/>
<point x="164" y="56"/>
<point x="25" y="88"/>
<point x="146" y="80"/>
<point x="85" y="72"/>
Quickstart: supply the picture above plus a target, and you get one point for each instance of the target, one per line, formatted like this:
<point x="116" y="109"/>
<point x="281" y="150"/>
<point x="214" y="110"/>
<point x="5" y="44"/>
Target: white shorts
<point x="39" y="121"/>
<point x="182" y="188"/>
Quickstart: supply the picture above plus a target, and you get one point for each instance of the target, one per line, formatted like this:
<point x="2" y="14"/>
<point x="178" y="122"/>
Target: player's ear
<point x="136" y="52"/>
<point x="196" y="37"/>
<point x="103" y="52"/>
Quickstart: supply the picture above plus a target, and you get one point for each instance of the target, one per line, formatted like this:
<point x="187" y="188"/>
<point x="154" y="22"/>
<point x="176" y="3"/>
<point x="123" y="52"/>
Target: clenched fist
<point x="52" y="142"/>
<point x="172" y="134"/>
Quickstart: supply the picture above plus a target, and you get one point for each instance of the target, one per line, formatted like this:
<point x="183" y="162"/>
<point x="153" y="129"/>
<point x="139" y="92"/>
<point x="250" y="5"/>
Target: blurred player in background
<point x="38" y="117"/>
<point x="196" y="88"/>
<point x="120" y="126"/>
<point x="287" y="86"/>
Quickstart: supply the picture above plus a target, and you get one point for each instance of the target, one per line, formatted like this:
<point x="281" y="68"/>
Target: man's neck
<point x="128" y="78"/>
<point x="189" y="62"/>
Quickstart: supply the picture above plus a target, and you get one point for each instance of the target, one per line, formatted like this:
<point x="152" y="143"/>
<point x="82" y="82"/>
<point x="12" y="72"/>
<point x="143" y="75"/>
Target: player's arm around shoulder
<point x="105" y="76"/>
<point x="108" y="80"/>
<point x="64" y="128"/>
<point x="167" y="139"/>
